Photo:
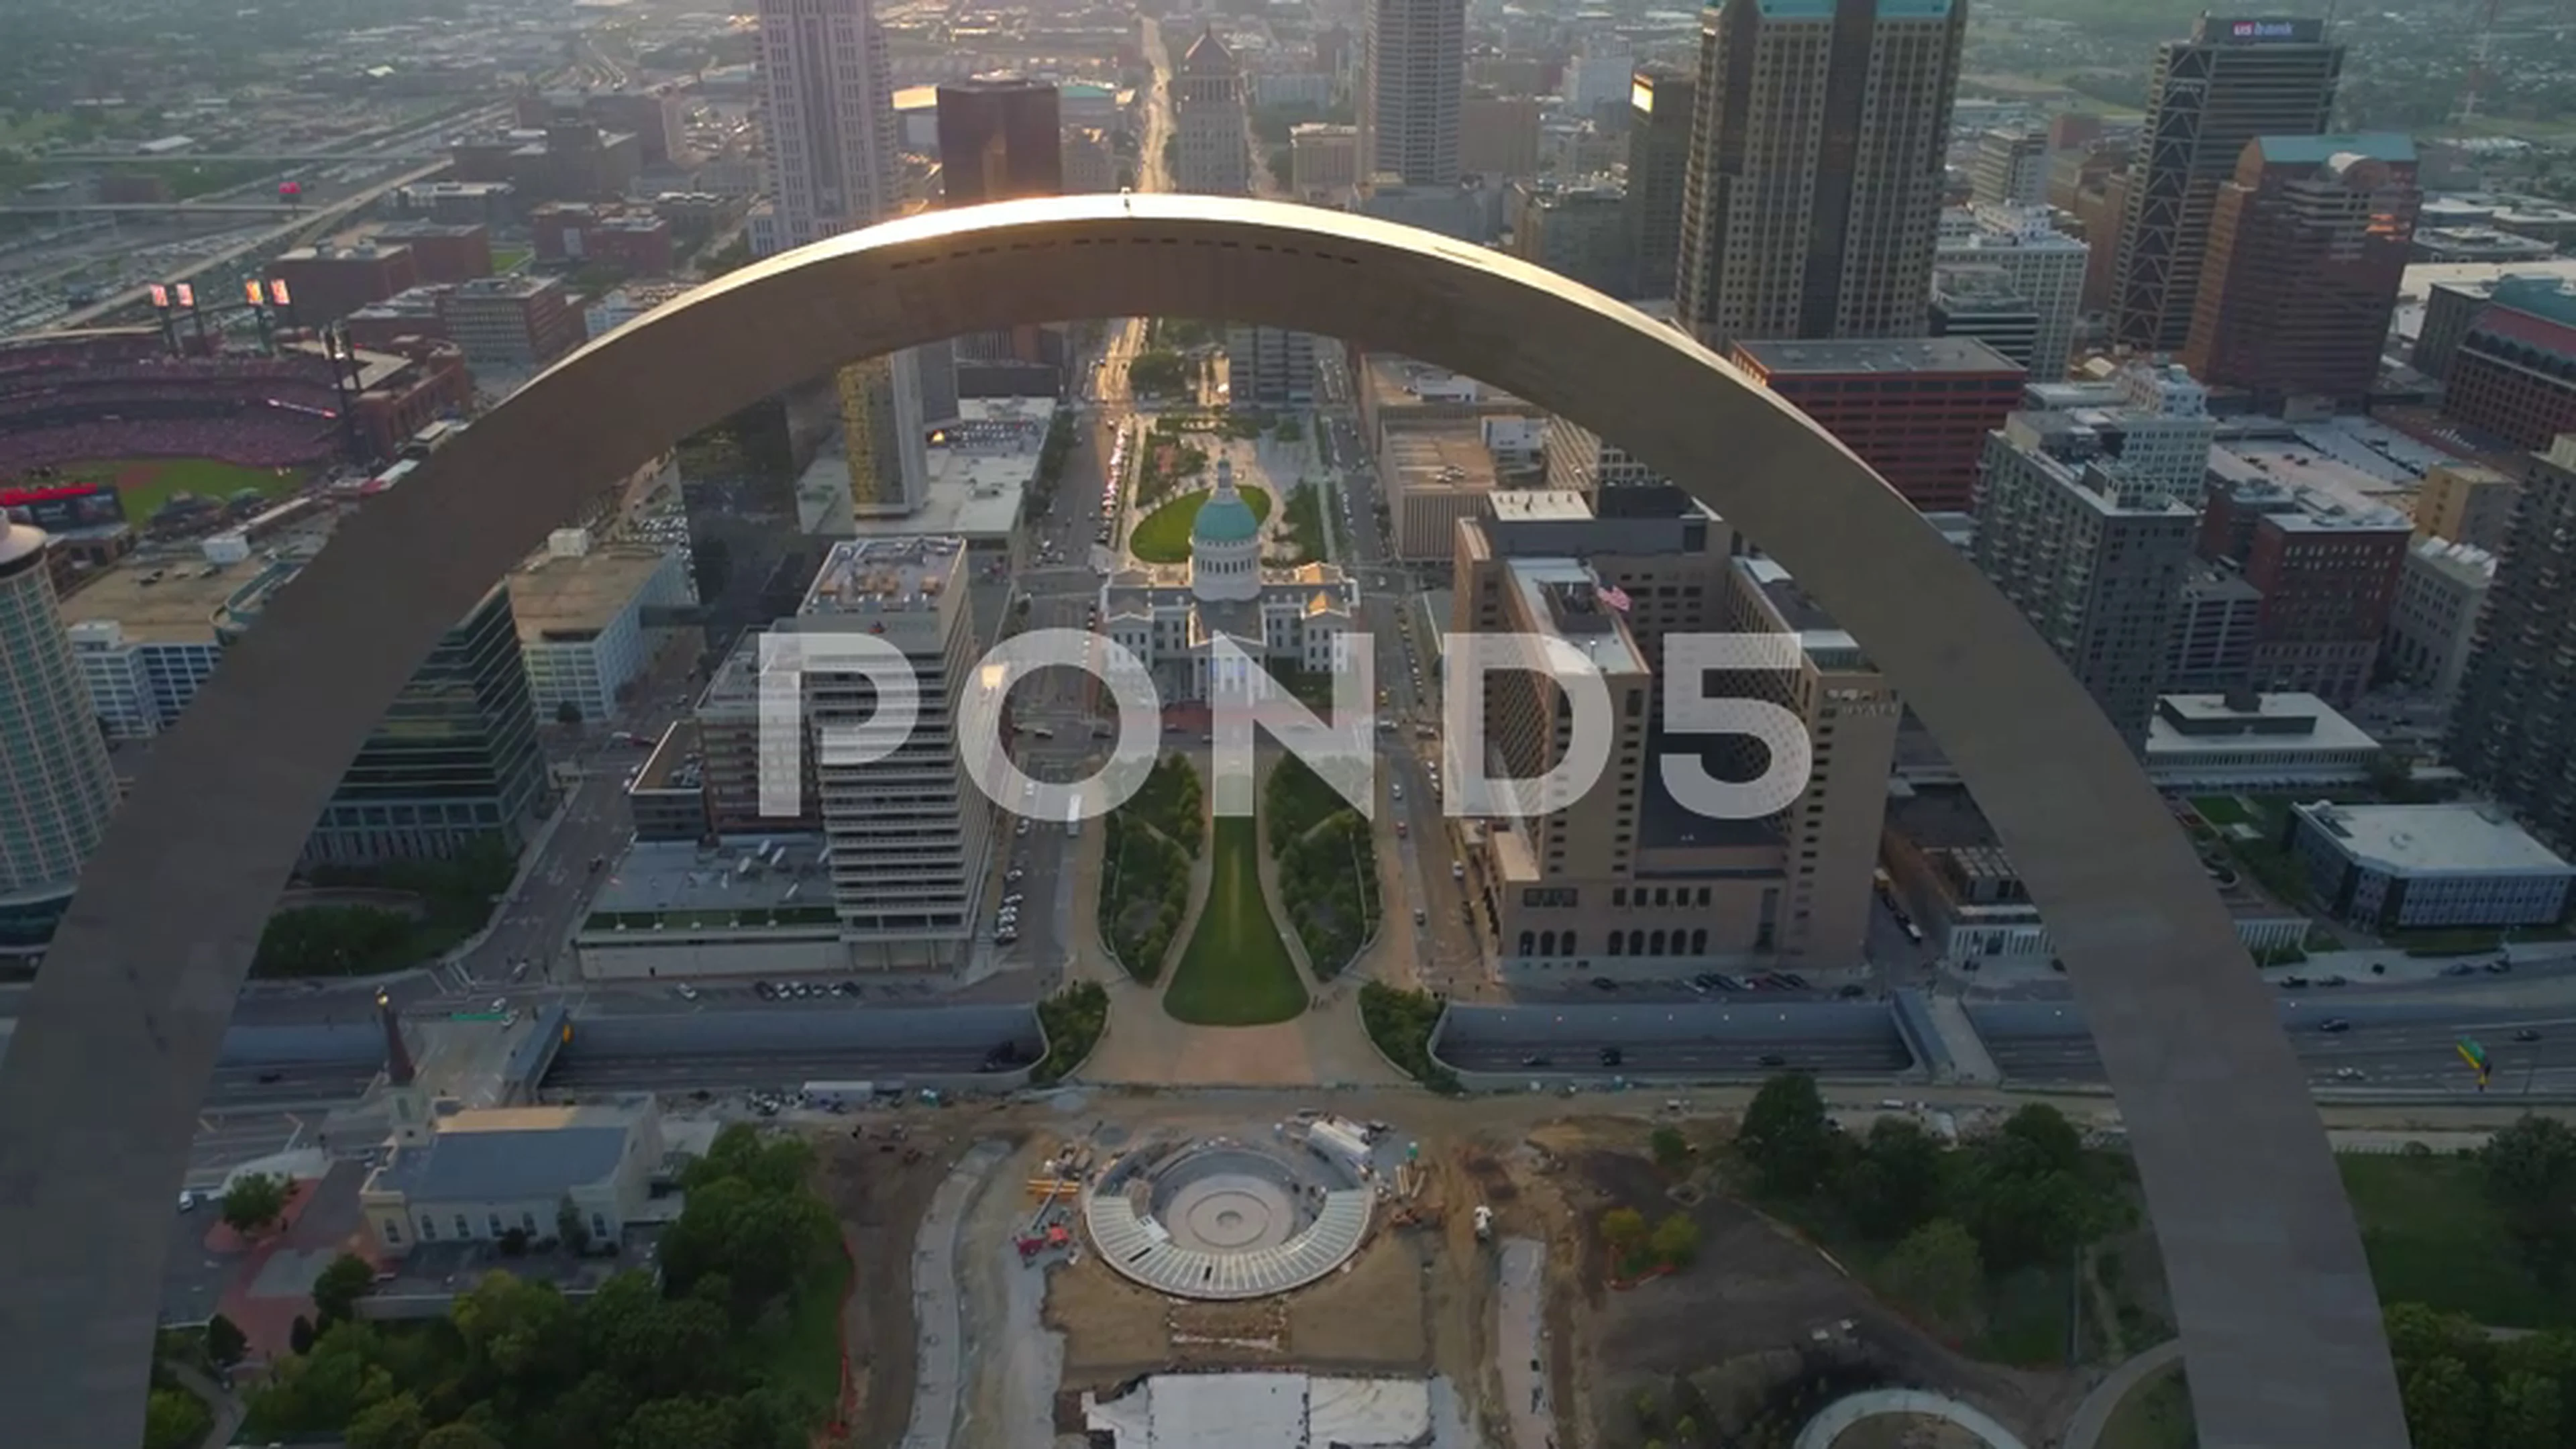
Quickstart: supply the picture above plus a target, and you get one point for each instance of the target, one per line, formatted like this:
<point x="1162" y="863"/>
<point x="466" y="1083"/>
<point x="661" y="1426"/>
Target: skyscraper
<point x="1413" y="58"/>
<point x="1814" y="192"/>
<point x="999" y="138"/>
<point x="833" y="147"/>
<point x="56" y="787"/>
<point x="2307" y="249"/>
<point x="1659" y="138"/>
<point x="2010" y="168"/>
<point x="1211" y="124"/>
<point x="2510" y="733"/>
<point x="2232" y="81"/>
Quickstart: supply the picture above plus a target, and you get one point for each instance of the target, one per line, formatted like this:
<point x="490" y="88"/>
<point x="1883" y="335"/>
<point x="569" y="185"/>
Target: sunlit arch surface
<point x="100" y="1089"/>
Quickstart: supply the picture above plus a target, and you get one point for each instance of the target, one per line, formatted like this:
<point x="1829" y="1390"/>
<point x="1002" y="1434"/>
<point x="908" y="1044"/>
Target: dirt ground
<point x="880" y="1200"/>
<point x="1906" y="1431"/>
<point x="1756" y="1286"/>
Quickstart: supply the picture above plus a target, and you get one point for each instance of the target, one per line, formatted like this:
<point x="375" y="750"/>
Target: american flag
<point x="1615" y="596"/>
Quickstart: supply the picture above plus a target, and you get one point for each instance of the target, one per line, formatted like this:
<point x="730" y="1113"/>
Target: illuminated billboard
<point x="2269" y="29"/>
<point x="63" y="507"/>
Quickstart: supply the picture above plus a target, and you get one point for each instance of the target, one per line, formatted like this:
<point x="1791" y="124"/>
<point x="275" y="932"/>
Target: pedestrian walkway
<point x="1520" y="1342"/>
<point x="937" y="1320"/>
<point x="1840" y="1415"/>
<point x="1969" y="1059"/>
<point x="2094" y="1414"/>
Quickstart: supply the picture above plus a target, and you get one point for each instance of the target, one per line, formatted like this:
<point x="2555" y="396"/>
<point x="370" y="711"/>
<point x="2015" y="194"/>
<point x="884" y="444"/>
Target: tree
<point x="1624" y="1230"/>
<point x="525" y="1332"/>
<point x="1676" y="1241"/>
<point x="339" y="1286"/>
<point x="2529" y="1170"/>
<point x="299" y="1336"/>
<point x="459" y="1436"/>
<point x="568" y="713"/>
<point x="1894" y="1186"/>
<point x="678" y="1423"/>
<point x="395" y="1423"/>
<point x="572" y="1227"/>
<point x="253" y="1201"/>
<point x="175" y="1419"/>
<point x="2023" y="1220"/>
<point x="2038" y="1139"/>
<point x="1936" y="1272"/>
<point x="2446" y="1406"/>
<point x="1672" y="1150"/>
<point x="2528" y="1413"/>
<point x="225" y="1342"/>
<point x="1786" y="1138"/>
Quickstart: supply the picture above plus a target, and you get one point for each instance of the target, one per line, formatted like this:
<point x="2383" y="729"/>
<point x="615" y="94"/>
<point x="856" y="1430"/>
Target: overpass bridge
<point x="163" y="208"/>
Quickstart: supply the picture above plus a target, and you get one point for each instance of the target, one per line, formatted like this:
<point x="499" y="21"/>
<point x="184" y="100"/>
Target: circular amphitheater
<point x="1221" y="1219"/>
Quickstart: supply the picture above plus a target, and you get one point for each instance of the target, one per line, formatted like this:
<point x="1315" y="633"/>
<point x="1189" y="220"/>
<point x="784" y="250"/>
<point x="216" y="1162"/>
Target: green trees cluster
<point x="1400" y="1022"/>
<point x="1173" y="802"/>
<point x="1306" y="524"/>
<point x="1950" y="1222"/>
<point x="2466" y="1389"/>
<point x="677" y="1364"/>
<point x="1637" y="1249"/>
<point x="1074" y="1018"/>
<point x="1157" y="373"/>
<point x="1327" y="858"/>
<point x="253" y="1201"/>
<point x="2528" y="1172"/>
<point x="1145" y="886"/>
<point x="1052" y="454"/>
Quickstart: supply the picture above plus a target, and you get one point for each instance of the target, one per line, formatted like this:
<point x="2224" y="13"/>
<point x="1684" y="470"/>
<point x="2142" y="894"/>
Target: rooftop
<point x="177" y="600"/>
<point x="573" y="596"/>
<point x="1562" y="593"/>
<point x="2432" y="839"/>
<point x="1532" y="505"/>
<point x="1877" y="355"/>
<point x="1263" y="1411"/>
<point x="2195" y="724"/>
<point x="677" y="878"/>
<point x="905" y="575"/>
<point x="1816" y="629"/>
<point x="1441" y="458"/>
<point x="511" y="1154"/>
<point x="2318" y="150"/>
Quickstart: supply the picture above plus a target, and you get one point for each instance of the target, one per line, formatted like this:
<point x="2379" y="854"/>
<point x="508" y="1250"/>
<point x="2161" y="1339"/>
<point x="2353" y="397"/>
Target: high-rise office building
<point x="456" y="758"/>
<point x="910" y="837"/>
<point x="1580" y="460"/>
<point x="1625" y="880"/>
<point x="1413" y="59"/>
<point x="1916" y="409"/>
<point x="1577" y="231"/>
<point x="2510" y="733"/>
<point x="834" y="163"/>
<point x="1000" y="137"/>
<point x="2010" y="168"/>
<point x="1813" y="197"/>
<point x="56" y="786"/>
<point x="2081" y="524"/>
<point x="2232" y="81"/>
<point x="1981" y="303"/>
<point x="2307" y="248"/>
<point x="1659" y="139"/>
<point x="1210" y="121"/>
<point x="1269" y="367"/>
<point x="2045" y="266"/>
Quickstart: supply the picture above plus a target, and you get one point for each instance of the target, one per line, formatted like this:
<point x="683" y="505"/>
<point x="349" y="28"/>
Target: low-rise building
<point x="2247" y="741"/>
<point x="481" y="1175"/>
<point x="584" y="631"/>
<point x="2441" y="594"/>
<point x="2424" y="867"/>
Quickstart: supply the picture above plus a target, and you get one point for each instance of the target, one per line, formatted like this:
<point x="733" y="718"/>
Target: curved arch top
<point x="98" y="1094"/>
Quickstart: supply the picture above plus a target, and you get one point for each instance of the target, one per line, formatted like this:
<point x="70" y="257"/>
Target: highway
<point x="287" y="1086"/>
<point x="1581" y="1056"/>
<point x="2412" y="1046"/>
<point x="736" y="1071"/>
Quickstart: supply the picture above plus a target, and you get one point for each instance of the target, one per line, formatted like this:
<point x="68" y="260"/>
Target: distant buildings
<point x="1918" y="411"/>
<point x="2393" y="868"/>
<point x="1412" y="63"/>
<point x="1000" y="137"/>
<point x="2327" y="571"/>
<point x="2433" y="625"/>
<point x="327" y="283"/>
<point x="2467" y="504"/>
<point x="2510" y="733"/>
<point x="1981" y="303"/>
<point x="581" y="611"/>
<point x="2307" y="248"/>
<point x="2452" y="308"/>
<point x="1814" y="190"/>
<point x="2514" y="375"/>
<point x="1579" y="231"/>
<point x="1210" y="121"/>
<point x="2010" y="168"/>
<point x="514" y="322"/>
<point x="57" y="788"/>
<point x="1659" y="142"/>
<point x="1269" y="367"/>
<point x="1323" y="160"/>
<point x="2045" y="267"/>
<point x="2232" y="81"/>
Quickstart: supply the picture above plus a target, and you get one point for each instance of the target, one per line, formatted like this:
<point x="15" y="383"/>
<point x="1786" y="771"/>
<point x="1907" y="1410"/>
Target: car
<point x="2294" y="983"/>
<point x="2499" y="966"/>
<point x="764" y="991"/>
<point x="1708" y="979"/>
<point x="1457" y="870"/>
<point x="1005" y="938"/>
<point x="187" y="1202"/>
<point x="1771" y="1059"/>
<point x="1536" y="1061"/>
<point x="2526" y="1034"/>
<point x="271" y="1078"/>
<point x="686" y="991"/>
<point x="1604" y="983"/>
<point x="2350" y="1074"/>
<point x="1852" y="993"/>
<point x="1395" y="788"/>
<point x="845" y="988"/>
<point x="1022" y="829"/>
<point x="2334" y="1025"/>
<point x="1612" y="1056"/>
<point x="2332" y="981"/>
<point x="2460" y="968"/>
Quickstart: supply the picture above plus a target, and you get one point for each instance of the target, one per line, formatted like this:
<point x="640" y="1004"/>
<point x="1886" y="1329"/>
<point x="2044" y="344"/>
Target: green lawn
<point x="147" y="483"/>
<point x="2433" y="1240"/>
<point x="1164" y="536"/>
<point x="1236" y="971"/>
<point x="802" y="1351"/>
<point x="2155" y="1415"/>
<point x="2221" y="811"/>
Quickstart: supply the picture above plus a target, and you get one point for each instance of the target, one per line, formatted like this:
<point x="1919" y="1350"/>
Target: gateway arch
<point x="99" y="1092"/>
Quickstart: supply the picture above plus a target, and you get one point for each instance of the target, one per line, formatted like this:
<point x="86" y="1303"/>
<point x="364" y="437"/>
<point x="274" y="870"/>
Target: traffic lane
<point x="1582" y="1056"/>
<point x="2513" y="1068"/>
<point x="275" y="1088"/>
<point x="736" y="1070"/>
<point x="224" y="1144"/>
<point x="2303" y="1014"/>
<point x="2411" y="1046"/>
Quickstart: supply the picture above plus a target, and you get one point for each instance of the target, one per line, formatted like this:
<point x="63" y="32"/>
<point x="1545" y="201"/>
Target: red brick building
<point x="429" y="382"/>
<point x="1916" y="409"/>
<point x="2514" y="375"/>
<point x="2307" y="248"/>
<point x="2328" y="573"/>
<point x="325" y="284"/>
<point x="637" y="243"/>
<point x="442" y="252"/>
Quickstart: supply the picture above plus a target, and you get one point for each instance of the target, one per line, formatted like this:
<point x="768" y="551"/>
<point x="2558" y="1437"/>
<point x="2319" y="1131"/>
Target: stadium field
<point x="147" y="483"/>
